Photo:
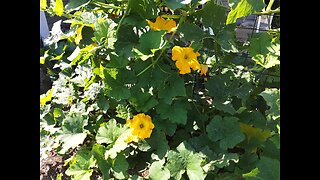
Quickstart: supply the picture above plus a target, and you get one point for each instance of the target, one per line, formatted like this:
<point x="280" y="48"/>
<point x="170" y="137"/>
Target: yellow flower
<point x="141" y="127"/>
<point x="162" y="24"/>
<point x="203" y="69"/>
<point x="185" y="59"/>
<point x="253" y="132"/>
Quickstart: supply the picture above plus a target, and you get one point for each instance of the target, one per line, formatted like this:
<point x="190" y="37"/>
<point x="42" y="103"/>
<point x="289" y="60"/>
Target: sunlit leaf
<point x="58" y="8"/>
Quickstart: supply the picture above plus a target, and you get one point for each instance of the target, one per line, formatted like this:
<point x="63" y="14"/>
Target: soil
<point x="51" y="166"/>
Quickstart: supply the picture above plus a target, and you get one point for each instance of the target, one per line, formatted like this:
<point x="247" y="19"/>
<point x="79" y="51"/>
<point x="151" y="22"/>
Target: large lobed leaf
<point x="185" y="159"/>
<point x="73" y="132"/>
<point x="225" y="130"/>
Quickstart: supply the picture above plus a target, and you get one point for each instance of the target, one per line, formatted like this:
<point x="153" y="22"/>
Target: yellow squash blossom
<point x="162" y="24"/>
<point x="203" y="69"/>
<point x="185" y="59"/>
<point x="141" y="127"/>
<point x="253" y="132"/>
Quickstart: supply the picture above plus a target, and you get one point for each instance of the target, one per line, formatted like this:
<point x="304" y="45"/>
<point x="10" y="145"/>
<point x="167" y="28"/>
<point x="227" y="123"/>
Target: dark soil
<point x="51" y="166"/>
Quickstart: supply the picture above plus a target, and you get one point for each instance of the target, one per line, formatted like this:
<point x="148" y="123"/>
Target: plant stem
<point x="269" y="5"/>
<point x="122" y="18"/>
<point x="103" y="5"/>
<point x="171" y="16"/>
<point x="268" y="12"/>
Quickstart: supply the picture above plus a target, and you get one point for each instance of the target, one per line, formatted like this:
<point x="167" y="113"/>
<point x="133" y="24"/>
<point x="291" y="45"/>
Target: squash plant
<point x="161" y="89"/>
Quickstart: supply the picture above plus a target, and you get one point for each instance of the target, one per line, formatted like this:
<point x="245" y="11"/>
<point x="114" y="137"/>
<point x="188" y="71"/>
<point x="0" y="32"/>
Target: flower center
<point x="141" y="126"/>
<point x="185" y="56"/>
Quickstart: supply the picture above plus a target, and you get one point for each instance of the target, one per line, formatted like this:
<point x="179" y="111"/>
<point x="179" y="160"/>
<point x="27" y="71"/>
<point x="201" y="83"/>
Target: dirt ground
<point x="51" y="166"/>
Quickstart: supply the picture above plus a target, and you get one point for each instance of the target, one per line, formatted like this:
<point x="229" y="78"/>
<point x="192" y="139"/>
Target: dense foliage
<point x="161" y="90"/>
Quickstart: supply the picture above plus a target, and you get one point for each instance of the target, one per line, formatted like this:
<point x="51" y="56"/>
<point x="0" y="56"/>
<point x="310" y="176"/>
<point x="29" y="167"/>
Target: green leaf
<point x="143" y="145"/>
<point x="59" y="176"/>
<point x="81" y="165"/>
<point x="223" y="86"/>
<point x="248" y="161"/>
<point x="175" y="4"/>
<point x="272" y="97"/>
<point x="244" y="8"/>
<point x="176" y="112"/>
<point x="166" y="126"/>
<point x="192" y="32"/>
<point x="119" y="145"/>
<point x="120" y="167"/>
<point x="151" y="41"/>
<point x="252" y="174"/>
<point x="225" y="107"/>
<point x="117" y="61"/>
<point x="225" y="130"/>
<point x="43" y="5"/>
<point x="255" y="118"/>
<point x="194" y="170"/>
<point x="213" y="15"/>
<point x="218" y="88"/>
<point x="119" y="92"/>
<point x="126" y="40"/>
<point x="58" y="8"/>
<point x="135" y="20"/>
<point x="158" y="144"/>
<point x="264" y="50"/>
<point x="142" y="101"/>
<point x="76" y="4"/>
<point x="270" y="150"/>
<point x="104" y="166"/>
<point x="223" y="160"/>
<point x="102" y="103"/>
<point x="72" y="133"/>
<point x="226" y="39"/>
<point x="44" y="98"/>
<point x="174" y="87"/>
<point x="147" y="9"/>
<point x="199" y="142"/>
<point x="267" y="168"/>
<point x="185" y="159"/>
<point x="75" y="56"/>
<point x="118" y="85"/>
<point x="176" y="164"/>
<point x="109" y="132"/>
<point x="158" y="171"/>
<point x="140" y="55"/>
<point x="104" y="31"/>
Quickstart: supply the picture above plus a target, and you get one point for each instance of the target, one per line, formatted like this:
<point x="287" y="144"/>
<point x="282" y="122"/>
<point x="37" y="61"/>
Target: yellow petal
<point x="177" y="53"/>
<point x="253" y="132"/>
<point x="170" y="25"/>
<point x="162" y="24"/>
<point x="194" y="64"/>
<point x="203" y="69"/>
<point x="183" y="67"/>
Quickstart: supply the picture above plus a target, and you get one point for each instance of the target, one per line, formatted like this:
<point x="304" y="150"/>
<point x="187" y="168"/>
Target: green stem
<point x="122" y="18"/>
<point x="268" y="12"/>
<point x="162" y="69"/>
<point x="162" y="50"/>
<point x="269" y="5"/>
<point x="171" y="16"/>
<point x="103" y="5"/>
